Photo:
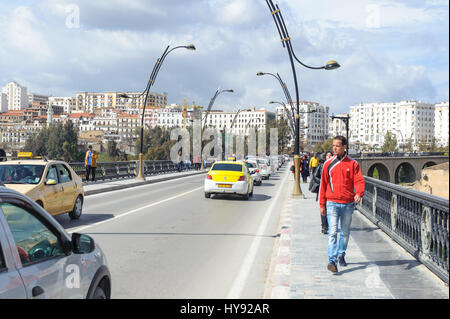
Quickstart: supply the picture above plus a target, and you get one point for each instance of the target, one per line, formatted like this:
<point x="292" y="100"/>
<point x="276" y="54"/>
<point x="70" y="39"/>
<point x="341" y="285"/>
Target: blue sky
<point x="389" y="50"/>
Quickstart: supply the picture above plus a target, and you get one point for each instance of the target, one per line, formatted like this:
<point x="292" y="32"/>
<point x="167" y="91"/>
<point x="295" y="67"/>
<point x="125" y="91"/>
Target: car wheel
<point x="259" y="183"/>
<point x="207" y="195"/>
<point x="245" y="196"/>
<point x="99" y="293"/>
<point x="77" y="209"/>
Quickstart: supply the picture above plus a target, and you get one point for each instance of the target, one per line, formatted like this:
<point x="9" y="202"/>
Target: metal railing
<point x="417" y="221"/>
<point x="128" y="169"/>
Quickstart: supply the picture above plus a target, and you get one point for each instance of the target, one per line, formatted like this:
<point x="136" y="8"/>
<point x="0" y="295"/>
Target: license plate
<point x="224" y="185"/>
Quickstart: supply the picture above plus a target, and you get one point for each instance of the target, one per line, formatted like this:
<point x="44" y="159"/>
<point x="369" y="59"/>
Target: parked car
<point x="229" y="177"/>
<point x="52" y="184"/>
<point x="39" y="259"/>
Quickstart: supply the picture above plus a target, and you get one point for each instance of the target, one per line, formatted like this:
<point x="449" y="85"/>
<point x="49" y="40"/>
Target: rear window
<point x="250" y="165"/>
<point x="227" y="167"/>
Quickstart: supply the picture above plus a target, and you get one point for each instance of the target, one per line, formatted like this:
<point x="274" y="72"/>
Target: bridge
<point x="163" y="239"/>
<point x="391" y="169"/>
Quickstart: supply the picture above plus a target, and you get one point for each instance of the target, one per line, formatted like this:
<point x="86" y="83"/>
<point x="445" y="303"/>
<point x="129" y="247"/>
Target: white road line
<point x="239" y="283"/>
<point x="134" y="211"/>
<point x="145" y="185"/>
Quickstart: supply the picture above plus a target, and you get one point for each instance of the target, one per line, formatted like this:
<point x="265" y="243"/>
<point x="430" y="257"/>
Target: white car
<point x="264" y="167"/>
<point x="252" y="166"/>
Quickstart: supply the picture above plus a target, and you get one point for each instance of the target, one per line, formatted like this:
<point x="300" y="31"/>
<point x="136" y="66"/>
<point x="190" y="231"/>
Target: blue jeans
<point x="336" y="212"/>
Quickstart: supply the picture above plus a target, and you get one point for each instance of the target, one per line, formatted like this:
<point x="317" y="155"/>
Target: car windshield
<point x="21" y="174"/>
<point x="227" y="167"/>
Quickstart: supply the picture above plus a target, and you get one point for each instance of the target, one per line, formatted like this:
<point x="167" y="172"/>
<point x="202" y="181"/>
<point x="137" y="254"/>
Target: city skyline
<point x="389" y="51"/>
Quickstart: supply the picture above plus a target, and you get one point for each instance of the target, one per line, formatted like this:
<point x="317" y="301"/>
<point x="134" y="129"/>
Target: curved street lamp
<point x="290" y="118"/>
<point x="211" y="103"/>
<point x="330" y="65"/>
<point x="150" y="82"/>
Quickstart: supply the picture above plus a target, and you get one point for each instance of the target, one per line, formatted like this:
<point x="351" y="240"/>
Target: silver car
<point x="38" y="258"/>
<point x="252" y="166"/>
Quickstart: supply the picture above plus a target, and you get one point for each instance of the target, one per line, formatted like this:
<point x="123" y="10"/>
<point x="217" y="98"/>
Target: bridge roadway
<point x="165" y="240"/>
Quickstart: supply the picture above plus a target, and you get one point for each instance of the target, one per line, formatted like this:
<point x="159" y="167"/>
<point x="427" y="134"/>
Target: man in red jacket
<point x="341" y="187"/>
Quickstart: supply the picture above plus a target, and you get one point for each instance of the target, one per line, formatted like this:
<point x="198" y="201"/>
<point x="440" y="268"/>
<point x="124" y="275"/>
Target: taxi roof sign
<point x="25" y="155"/>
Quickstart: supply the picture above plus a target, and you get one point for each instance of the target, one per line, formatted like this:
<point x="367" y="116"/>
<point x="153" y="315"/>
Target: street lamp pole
<point x="211" y="103"/>
<point x="286" y="42"/>
<point x="151" y="81"/>
<point x="346" y="121"/>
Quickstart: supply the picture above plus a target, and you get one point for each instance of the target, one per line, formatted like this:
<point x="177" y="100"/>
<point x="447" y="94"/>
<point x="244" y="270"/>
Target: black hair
<point x="341" y="138"/>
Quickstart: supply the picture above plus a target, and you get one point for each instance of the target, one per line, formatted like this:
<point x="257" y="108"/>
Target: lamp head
<point x="190" y="47"/>
<point x="230" y="90"/>
<point x="331" y="65"/>
<point x="259" y="73"/>
<point x="124" y="96"/>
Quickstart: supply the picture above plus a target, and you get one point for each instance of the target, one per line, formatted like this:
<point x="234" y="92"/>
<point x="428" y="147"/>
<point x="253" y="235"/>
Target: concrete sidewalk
<point x="377" y="266"/>
<point x="91" y="188"/>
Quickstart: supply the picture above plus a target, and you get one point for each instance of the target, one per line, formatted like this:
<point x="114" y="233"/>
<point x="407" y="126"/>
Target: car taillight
<point x="257" y="171"/>
<point x="241" y="178"/>
<point x="208" y="176"/>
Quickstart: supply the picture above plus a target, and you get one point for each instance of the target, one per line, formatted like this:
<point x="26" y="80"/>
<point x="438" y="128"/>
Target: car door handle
<point x="37" y="291"/>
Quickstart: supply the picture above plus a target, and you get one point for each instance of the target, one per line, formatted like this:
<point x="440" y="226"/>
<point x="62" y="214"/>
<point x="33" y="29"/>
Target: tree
<point x="390" y="143"/>
<point x="56" y="142"/>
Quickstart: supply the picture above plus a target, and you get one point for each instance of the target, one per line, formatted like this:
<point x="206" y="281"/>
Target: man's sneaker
<point x="332" y="267"/>
<point x="342" y="261"/>
<point x="324" y="231"/>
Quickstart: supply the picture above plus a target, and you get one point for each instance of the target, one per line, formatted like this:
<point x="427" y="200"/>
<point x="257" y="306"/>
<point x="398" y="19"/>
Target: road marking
<point x="239" y="283"/>
<point x="134" y="210"/>
<point x="144" y="185"/>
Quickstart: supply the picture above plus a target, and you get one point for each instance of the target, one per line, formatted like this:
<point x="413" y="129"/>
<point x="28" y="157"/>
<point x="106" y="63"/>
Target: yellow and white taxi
<point x="52" y="184"/>
<point x="229" y="177"/>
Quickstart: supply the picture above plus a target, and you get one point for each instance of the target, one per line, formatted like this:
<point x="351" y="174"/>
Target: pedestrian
<point x="304" y="168"/>
<point x="314" y="186"/>
<point x="94" y="164"/>
<point x="314" y="163"/>
<point x="88" y="162"/>
<point x="180" y="161"/>
<point x="188" y="164"/>
<point x="197" y="162"/>
<point x="341" y="187"/>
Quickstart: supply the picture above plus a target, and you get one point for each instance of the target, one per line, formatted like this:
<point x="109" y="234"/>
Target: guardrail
<point x="128" y="169"/>
<point x="415" y="220"/>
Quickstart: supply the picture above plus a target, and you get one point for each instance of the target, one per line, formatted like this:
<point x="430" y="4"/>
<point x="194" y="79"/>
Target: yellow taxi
<point x="52" y="184"/>
<point x="229" y="177"/>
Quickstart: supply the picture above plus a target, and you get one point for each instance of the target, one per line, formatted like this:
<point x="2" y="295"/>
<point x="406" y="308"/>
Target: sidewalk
<point x="377" y="267"/>
<point x="92" y="188"/>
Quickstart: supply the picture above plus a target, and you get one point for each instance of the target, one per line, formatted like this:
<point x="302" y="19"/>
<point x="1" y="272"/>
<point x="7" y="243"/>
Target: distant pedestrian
<point x="314" y="163"/>
<point x="188" y="164"/>
<point x="197" y="162"/>
<point x="314" y="186"/>
<point x="342" y="185"/>
<point x="94" y="164"/>
<point x="304" y="168"/>
<point x="88" y="162"/>
<point x="180" y="161"/>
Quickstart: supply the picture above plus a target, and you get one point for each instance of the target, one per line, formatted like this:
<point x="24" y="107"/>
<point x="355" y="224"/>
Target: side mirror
<point x="50" y="182"/>
<point x="82" y="244"/>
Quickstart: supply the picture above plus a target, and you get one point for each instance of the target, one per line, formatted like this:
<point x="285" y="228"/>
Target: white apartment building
<point x="69" y="103"/>
<point x="243" y="120"/>
<point x="166" y="118"/>
<point x="3" y="102"/>
<point x="89" y="101"/>
<point x="441" y="119"/>
<point x="407" y="120"/>
<point x="16" y="96"/>
<point x="128" y="126"/>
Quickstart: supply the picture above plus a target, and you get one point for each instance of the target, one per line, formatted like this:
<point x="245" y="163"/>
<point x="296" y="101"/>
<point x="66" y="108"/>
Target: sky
<point x="388" y="50"/>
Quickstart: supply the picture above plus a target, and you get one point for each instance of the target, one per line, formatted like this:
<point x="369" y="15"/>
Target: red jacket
<point x="341" y="180"/>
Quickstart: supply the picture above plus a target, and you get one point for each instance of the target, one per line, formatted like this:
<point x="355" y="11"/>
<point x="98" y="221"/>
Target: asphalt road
<point x="166" y="240"/>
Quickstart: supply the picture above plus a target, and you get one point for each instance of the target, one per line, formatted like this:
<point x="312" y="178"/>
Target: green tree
<point x="390" y="142"/>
